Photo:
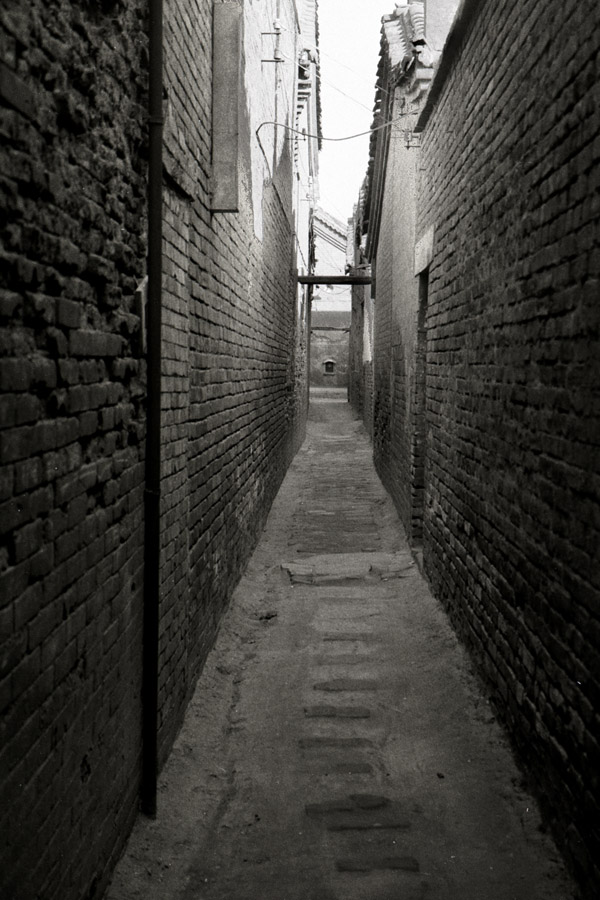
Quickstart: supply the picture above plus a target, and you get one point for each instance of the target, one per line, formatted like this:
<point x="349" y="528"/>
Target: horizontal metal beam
<point x="334" y="279"/>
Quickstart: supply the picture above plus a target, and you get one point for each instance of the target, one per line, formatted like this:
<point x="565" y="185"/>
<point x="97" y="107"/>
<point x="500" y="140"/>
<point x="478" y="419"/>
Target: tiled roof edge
<point x="454" y="42"/>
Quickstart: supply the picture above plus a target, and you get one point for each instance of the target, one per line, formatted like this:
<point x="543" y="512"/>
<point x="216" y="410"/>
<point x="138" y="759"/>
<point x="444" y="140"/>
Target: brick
<point x="28" y="540"/>
<point x="340" y="712"/>
<point x="319" y="743"/>
<point x="69" y="370"/>
<point x="14" y="513"/>
<point x="28" y="409"/>
<point x="7" y="482"/>
<point x="346" y="684"/>
<point x="41" y="563"/>
<point x="370" y="862"/>
<point x="15" y="374"/>
<point x="44" y="372"/>
<point x="95" y="343"/>
<point x="25" y="673"/>
<point x="9" y="303"/>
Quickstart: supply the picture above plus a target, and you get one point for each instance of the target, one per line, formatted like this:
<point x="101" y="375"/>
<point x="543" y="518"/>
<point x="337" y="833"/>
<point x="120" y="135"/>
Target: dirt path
<point x="337" y="746"/>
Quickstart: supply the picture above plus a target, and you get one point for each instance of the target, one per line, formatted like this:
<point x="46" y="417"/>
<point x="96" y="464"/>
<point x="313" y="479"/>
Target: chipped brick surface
<point x="232" y="408"/>
<point x="73" y="121"/>
<point x="72" y="186"/>
<point x="483" y="232"/>
<point x="509" y="161"/>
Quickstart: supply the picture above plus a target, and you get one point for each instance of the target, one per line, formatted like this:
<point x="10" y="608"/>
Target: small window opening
<point x="330" y="367"/>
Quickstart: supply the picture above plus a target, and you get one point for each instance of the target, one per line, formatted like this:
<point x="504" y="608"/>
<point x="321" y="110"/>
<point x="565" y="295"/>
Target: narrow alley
<point x="299" y="450"/>
<point x="337" y="746"/>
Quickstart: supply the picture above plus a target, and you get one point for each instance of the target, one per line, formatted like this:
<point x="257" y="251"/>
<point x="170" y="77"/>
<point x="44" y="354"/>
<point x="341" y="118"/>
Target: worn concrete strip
<point x="331" y="567"/>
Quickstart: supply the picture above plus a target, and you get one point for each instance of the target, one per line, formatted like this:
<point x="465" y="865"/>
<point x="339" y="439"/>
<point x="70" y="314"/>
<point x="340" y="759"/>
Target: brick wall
<point x="368" y="397"/>
<point x="72" y="115"/>
<point x="397" y="398"/>
<point x="510" y="182"/>
<point x="234" y="372"/>
<point x="71" y="441"/>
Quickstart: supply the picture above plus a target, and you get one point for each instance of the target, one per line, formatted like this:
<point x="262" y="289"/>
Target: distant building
<point x="330" y="331"/>
<point x="331" y="257"/>
<point x="331" y="304"/>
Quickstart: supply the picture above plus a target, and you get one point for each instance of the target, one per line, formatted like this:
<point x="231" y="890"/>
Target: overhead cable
<point x="349" y="137"/>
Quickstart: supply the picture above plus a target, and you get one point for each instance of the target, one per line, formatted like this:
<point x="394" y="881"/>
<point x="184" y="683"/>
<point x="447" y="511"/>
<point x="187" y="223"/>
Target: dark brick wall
<point x="233" y="412"/>
<point x="398" y="388"/>
<point x="368" y="397"/>
<point x="510" y="181"/>
<point x="71" y="445"/>
<point x="73" y="122"/>
<point x="382" y="363"/>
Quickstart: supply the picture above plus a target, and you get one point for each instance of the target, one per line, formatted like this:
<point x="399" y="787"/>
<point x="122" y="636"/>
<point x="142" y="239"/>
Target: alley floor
<point x="338" y="746"/>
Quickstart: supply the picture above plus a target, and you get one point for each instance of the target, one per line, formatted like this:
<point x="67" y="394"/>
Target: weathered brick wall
<point x="510" y="182"/>
<point x="382" y="359"/>
<point x="368" y="397"/>
<point x="234" y="404"/>
<point x="71" y="441"/>
<point x="74" y="179"/>
<point x="396" y="314"/>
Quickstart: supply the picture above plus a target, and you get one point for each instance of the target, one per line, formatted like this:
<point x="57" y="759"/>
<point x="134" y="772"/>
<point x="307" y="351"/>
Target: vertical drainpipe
<point x="152" y="488"/>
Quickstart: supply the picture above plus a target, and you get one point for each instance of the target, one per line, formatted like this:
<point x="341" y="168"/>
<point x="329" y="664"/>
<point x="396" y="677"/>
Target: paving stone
<point x="368" y="863"/>
<point x="337" y="712"/>
<point x="344" y="636"/>
<point x="352" y="803"/>
<point x="364" y="820"/>
<point x="369" y="801"/>
<point x="316" y="743"/>
<point x="354" y="767"/>
<point x="346" y="659"/>
<point x="346" y="684"/>
<point x="329" y="806"/>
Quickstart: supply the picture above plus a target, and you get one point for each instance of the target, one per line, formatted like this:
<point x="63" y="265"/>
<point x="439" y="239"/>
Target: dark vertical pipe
<point x="152" y="492"/>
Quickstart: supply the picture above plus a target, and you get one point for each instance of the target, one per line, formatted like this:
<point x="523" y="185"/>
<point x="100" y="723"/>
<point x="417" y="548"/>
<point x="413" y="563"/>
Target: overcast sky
<point x="349" y="47"/>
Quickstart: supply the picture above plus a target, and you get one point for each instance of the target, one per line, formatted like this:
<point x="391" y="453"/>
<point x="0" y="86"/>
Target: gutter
<point x="152" y="486"/>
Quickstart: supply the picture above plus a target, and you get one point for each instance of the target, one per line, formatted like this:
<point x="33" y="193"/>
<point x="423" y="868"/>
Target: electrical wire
<point x="340" y="63"/>
<point x="376" y="87"/>
<point x="349" y="137"/>
<point x="344" y="94"/>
